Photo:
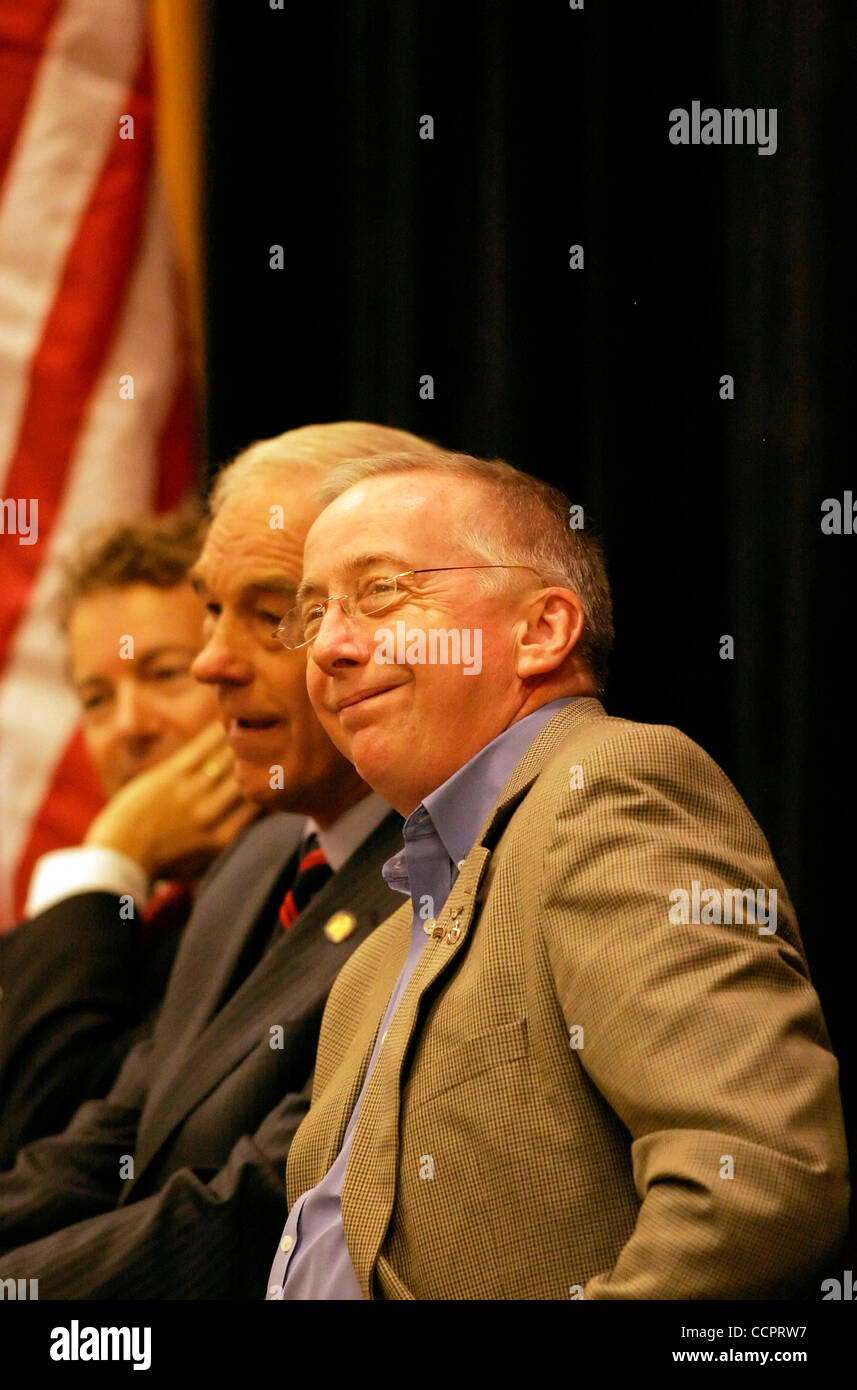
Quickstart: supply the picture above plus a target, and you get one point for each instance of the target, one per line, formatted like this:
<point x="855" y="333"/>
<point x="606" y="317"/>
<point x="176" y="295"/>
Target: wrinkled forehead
<point x="264" y="531"/>
<point x="265" y="504"/>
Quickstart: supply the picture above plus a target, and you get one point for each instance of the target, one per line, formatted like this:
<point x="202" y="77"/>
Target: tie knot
<point x="312" y="857"/>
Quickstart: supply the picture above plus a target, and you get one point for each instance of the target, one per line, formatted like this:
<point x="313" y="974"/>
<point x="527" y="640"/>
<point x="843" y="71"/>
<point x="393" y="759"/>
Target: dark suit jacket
<point x="207" y="1106"/>
<point x="77" y="991"/>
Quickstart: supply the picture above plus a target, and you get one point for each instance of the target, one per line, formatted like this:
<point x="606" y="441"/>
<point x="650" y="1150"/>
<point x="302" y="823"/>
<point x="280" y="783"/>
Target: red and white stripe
<point x="87" y="295"/>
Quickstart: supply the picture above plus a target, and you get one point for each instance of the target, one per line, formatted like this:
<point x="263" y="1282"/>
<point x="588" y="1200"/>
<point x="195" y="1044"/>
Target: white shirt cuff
<point x="84" y="869"/>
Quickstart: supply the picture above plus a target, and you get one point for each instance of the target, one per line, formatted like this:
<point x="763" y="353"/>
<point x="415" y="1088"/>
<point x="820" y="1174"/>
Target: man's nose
<point x="340" y="638"/>
<point x="223" y="660"/>
<point x="135" y="715"/>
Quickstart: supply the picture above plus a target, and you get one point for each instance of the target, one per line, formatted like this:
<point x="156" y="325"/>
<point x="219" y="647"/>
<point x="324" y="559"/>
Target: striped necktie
<point x="313" y="873"/>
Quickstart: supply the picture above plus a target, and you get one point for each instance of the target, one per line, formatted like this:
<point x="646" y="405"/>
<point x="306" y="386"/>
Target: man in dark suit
<point x="78" y="993"/>
<point x="173" y="1186"/>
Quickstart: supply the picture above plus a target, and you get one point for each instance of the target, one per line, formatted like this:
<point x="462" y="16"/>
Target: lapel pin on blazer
<point x="451" y="934"/>
<point x="339" y="926"/>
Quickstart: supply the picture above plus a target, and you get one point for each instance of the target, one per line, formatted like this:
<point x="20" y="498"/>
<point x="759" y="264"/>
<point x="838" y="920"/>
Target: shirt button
<point x="429" y="926"/>
<point x="286" y="1244"/>
<point x="461" y="863"/>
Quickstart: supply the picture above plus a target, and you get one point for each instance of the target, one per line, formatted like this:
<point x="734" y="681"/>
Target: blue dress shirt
<point x="313" y="1260"/>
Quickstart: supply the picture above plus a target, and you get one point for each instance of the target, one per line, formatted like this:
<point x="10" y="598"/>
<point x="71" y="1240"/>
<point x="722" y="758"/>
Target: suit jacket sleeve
<point x="707" y="1041"/>
<point x="74" y="1174"/>
<point x="203" y="1235"/>
<point x="74" y="1002"/>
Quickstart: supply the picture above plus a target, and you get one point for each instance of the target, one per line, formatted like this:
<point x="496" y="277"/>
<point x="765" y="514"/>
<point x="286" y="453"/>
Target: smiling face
<point x="247" y="575"/>
<point x="408" y="725"/>
<point x="138" y="709"/>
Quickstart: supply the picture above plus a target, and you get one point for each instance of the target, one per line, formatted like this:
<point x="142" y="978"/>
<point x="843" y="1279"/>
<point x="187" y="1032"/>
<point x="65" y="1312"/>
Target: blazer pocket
<point x="437" y="1070"/>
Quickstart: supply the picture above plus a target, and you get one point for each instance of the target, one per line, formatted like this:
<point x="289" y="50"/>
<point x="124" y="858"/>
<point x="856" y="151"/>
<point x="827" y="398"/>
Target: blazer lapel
<point x="283" y="988"/>
<point x="585" y="711"/>
<point x="373" y="1160"/>
<point x="332" y="1107"/>
<point x="224" y="916"/>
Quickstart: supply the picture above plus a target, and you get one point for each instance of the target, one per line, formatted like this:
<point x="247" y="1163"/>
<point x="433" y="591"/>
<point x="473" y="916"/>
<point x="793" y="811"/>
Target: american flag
<point x="96" y="419"/>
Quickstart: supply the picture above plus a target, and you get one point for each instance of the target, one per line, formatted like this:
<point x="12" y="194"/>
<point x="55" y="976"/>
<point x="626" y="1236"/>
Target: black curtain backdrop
<point x="451" y="257"/>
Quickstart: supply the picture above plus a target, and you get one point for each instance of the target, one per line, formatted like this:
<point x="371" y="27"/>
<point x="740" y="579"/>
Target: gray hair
<point x="310" y="451"/>
<point x="527" y="523"/>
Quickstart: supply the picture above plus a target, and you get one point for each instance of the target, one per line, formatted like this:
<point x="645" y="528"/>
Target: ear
<point x="550" y="628"/>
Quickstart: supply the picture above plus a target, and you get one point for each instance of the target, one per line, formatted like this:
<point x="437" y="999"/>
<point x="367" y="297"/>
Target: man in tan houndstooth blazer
<point x="603" y="1071"/>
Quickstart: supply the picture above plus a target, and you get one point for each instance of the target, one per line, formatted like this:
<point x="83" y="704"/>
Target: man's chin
<point x="339" y="737"/>
<point x="372" y="760"/>
<point x="255" y="783"/>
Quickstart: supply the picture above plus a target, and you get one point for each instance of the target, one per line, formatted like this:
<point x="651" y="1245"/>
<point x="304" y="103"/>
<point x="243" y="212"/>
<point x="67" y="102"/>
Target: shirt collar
<point x="460" y="805"/>
<point x="340" y="840"/>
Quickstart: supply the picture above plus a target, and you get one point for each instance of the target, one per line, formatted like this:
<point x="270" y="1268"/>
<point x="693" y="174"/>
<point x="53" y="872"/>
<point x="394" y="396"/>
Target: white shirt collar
<point x="340" y="840"/>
